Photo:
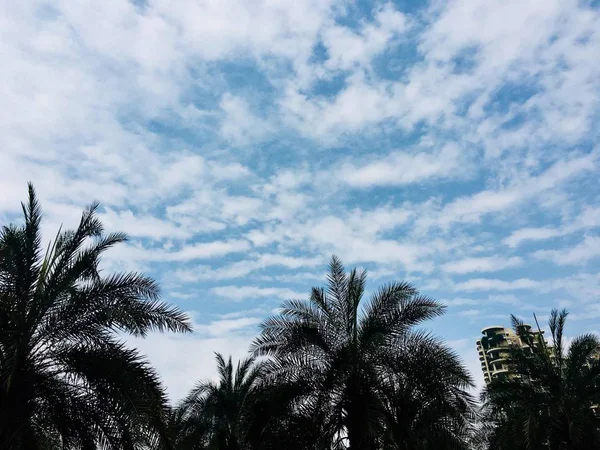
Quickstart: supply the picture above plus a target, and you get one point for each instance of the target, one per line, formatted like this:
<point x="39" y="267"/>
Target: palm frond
<point x="348" y="360"/>
<point x="337" y="287"/>
<point x="557" y="324"/>
<point x="356" y="287"/>
<point x="64" y="379"/>
<point x="548" y="400"/>
<point x="393" y="310"/>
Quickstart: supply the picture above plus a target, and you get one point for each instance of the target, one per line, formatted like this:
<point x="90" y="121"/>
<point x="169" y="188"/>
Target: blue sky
<point x="241" y="143"/>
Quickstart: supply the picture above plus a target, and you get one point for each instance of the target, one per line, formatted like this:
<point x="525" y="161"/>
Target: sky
<point x="240" y="143"/>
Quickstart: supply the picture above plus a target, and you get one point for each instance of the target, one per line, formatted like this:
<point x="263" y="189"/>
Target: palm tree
<point x="244" y="410"/>
<point x="281" y="413"/>
<point x="218" y="416"/>
<point x="551" y="400"/>
<point x="426" y="406"/>
<point x="66" y="380"/>
<point x="187" y="430"/>
<point x="361" y="364"/>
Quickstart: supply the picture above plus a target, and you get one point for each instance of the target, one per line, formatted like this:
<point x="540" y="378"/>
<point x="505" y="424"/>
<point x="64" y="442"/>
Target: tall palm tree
<point x="66" y="380"/>
<point x="282" y="413"/>
<point x="425" y="405"/>
<point x="360" y="362"/>
<point x="218" y="416"/>
<point x="187" y="430"/>
<point x="551" y="400"/>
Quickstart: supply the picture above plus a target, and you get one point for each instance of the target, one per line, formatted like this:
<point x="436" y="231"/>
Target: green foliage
<point x="219" y="416"/>
<point x="66" y="381"/>
<point x="549" y="403"/>
<point x="332" y="372"/>
<point x="373" y="380"/>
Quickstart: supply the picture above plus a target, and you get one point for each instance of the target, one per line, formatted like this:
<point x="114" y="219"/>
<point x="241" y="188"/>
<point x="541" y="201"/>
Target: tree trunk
<point x="358" y="418"/>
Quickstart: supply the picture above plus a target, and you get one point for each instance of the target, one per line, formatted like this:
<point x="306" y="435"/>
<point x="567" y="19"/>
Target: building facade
<point x="492" y="348"/>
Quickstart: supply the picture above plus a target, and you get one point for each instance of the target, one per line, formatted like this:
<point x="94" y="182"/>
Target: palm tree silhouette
<point x="550" y="401"/>
<point x="219" y="415"/>
<point x="66" y="380"/>
<point x="363" y="361"/>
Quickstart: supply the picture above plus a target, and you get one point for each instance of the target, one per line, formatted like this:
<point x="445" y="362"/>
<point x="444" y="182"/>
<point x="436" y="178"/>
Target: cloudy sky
<point x="242" y="142"/>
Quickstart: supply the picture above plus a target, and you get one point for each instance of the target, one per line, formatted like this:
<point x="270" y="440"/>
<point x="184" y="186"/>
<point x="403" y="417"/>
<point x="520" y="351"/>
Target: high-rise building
<point x="492" y="348"/>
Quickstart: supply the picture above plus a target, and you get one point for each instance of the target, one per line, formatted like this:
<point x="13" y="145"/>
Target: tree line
<point x="335" y="371"/>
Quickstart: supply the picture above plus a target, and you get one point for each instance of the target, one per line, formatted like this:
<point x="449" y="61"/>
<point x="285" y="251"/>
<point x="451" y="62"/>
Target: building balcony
<point x="502" y="346"/>
<point x="497" y="360"/>
<point x="492" y="329"/>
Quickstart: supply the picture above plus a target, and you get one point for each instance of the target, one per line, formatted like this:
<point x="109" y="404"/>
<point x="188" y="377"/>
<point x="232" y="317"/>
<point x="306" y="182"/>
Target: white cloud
<point x="190" y="252"/>
<point x="456" y="302"/>
<point x="142" y="225"/>
<point x="296" y="277"/>
<point x="471" y="208"/>
<point x="588" y="218"/>
<point x="550" y="47"/>
<point x="347" y="48"/>
<point x="578" y="255"/>
<point x="402" y="168"/>
<point x="495" y="26"/>
<point x="244" y="267"/>
<point x="584" y="287"/>
<point x="220" y="30"/>
<point x="490" y="284"/>
<point x="239" y="124"/>
<point x="483" y="264"/>
<point x="531" y="234"/>
<point x="333" y="235"/>
<point x="508" y="102"/>
<point x="591" y="312"/>
<point x="229" y="171"/>
<point x="242" y="313"/>
<point x="182" y="171"/>
<point x="356" y="106"/>
<point x="238" y="293"/>
<point x="379" y="220"/>
<point x="184" y="360"/>
<point x="240" y="209"/>
<point x="225" y="327"/>
<point x="486" y="301"/>
<point x="540" y="42"/>
<point x="507" y="299"/>
<point x="209" y="250"/>
<point x="234" y="270"/>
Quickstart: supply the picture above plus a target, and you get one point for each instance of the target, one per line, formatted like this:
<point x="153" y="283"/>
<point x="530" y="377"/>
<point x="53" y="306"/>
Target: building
<point x="492" y="350"/>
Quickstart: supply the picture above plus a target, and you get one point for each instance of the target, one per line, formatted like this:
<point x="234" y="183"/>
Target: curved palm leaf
<point x="551" y="401"/>
<point x="220" y="416"/>
<point x="65" y="381"/>
<point x="348" y="355"/>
